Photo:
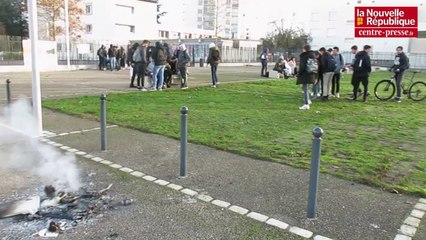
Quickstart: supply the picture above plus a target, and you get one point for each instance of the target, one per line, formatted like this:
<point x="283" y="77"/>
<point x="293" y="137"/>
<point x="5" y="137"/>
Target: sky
<point x="258" y="16"/>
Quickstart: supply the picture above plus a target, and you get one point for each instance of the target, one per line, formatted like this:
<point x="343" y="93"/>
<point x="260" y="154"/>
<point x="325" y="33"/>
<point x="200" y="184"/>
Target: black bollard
<point x="315" y="167"/>
<point x="183" y="140"/>
<point x="103" y="122"/>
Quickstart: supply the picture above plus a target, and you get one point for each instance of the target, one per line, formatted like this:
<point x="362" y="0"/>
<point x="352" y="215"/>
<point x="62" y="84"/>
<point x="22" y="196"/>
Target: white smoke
<point x="20" y="149"/>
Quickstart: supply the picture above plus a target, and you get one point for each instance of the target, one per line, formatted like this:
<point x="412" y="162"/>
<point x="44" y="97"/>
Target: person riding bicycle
<point x="401" y="63"/>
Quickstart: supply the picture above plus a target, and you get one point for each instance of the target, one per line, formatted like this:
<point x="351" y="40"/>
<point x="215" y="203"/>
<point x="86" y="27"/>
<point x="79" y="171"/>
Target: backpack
<point x="161" y="55"/>
<point x="312" y="65"/>
<point x="215" y="55"/>
<point x="331" y="63"/>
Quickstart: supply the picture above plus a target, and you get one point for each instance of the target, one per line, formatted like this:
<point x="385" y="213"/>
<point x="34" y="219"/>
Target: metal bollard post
<point x="183" y="140"/>
<point x="103" y="122"/>
<point x="315" y="167"/>
<point x="9" y="97"/>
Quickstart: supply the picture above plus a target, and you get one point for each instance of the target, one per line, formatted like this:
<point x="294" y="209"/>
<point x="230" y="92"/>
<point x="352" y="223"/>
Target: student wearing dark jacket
<point x="328" y="72"/>
<point x="362" y="69"/>
<point x="183" y="60"/>
<point x="214" y="59"/>
<point x="131" y="63"/>
<point x="399" y="66"/>
<point x="304" y="77"/>
<point x="159" y="56"/>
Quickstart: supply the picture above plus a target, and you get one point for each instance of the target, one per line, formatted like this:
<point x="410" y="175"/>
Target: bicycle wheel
<point x="417" y="91"/>
<point x="384" y="90"/>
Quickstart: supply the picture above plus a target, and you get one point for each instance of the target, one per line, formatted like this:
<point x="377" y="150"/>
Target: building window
<point x="89" y="9"/>
<point x="331" y="32"/>
<point x="88" y="28"/>
<point x="332" y="16"/>
<point x="199" y="19"/>
<point x="200" y="11"/>
<point x="123" y="28"/>
<point x="315" y="16"/>
<point x="315" y="32"/>
<point x="123" y="10"/>
<point x="200" y="2"/>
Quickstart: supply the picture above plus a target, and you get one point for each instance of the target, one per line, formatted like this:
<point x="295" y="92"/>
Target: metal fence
<point x="85" y="54"/>
<point x="386" y="59"/>
<point x="11" y="52"/>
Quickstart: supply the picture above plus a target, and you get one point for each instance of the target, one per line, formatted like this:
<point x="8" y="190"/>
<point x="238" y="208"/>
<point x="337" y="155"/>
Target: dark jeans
<point x="398" y="78"/>
<point x="356" y="82"/>
<point x="102" y="63"/>
<point x="141" y="74"/>
<point x="335" y="84"/>
<point x="139" y="70"/>
<point x="264" y="67"/>
<point x="213" y="68"/>
<point x="182" y="71"/>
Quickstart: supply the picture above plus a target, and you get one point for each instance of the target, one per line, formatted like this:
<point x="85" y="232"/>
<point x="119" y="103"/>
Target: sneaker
<point x="332" y="95"/>
<point x="312" y="94"/>
<point x="351" y="98"/>
<point x="153" y="89"/>
<point x="217" y="83"/>
<point x="398" y="99"/>
<point x="143" y="89"/>
<point x="184" y="87"/>
<point x="318" y="94"/>
<point x="309" y="102"/>
<point x="160" y="89"/>
<point x="337" y="95"/>
<point x="213" y="86"/>
<point x="304" y="107"/>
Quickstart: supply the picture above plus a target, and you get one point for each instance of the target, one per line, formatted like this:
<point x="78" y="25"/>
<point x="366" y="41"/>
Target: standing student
<point x="399" y="66"/>
<point x="362" y="69"/>
<point x="214" y="59"/>
<point x="159" y="56"/>
<point x="328" y="65"/>
<point x="340" y="65"/>
<point x="305" y="77"/>
<point x="183" y="60"/>
<point x="264" y="61"/>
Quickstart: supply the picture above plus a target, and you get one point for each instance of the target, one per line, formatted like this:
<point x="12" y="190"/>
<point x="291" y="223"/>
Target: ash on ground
<point x="54" y="212"/>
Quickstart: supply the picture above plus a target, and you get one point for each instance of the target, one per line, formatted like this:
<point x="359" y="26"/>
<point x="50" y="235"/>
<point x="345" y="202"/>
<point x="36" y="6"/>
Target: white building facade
<point x="118" y="21"/>
<point x="188" y="19"/>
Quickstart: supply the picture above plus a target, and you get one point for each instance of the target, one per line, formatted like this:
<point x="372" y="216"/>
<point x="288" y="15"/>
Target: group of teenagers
<point x="159" y="64"/>
<point x="323" y="70"/>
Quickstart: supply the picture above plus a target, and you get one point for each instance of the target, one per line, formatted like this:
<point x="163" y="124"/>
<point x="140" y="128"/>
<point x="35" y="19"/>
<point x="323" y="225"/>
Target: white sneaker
<point x="143" y="90"/>
<point x="217" y="83"/>
<point x="312" y="94"/>
<point x="337" y="95"/>
<point x="318" y="94"/>
<point x="213" y="86"/>
<point x="304" y="107"/>
<point x="309" y="102"/>
<point x="184" y="88"/>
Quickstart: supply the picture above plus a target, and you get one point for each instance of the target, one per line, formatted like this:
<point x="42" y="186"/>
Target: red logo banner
<point x="386" y="22"/>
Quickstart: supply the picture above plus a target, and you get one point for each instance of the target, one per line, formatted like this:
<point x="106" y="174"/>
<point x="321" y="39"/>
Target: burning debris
<point x="62" y="210"/>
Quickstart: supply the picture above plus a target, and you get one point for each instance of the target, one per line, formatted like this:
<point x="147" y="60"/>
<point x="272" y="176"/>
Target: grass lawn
<point x="377" y="143"/>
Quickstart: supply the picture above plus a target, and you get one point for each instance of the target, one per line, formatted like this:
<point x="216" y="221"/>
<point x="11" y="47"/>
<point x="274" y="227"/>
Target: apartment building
<point x="119" y="21"/>
<point x="187" y="19"/>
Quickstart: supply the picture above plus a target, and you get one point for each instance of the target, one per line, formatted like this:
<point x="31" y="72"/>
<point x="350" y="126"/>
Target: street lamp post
<point x="36" y="91"/>
<point x="67" y="33"/>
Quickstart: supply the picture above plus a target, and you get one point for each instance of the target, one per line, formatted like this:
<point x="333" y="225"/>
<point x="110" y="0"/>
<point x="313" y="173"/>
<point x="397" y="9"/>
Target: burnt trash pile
<point x="56" y="211"/>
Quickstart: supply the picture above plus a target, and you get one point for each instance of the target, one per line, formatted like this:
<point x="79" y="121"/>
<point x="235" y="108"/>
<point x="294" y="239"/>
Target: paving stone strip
<point x="406" y="232"/>
<point x="409" y="227"/>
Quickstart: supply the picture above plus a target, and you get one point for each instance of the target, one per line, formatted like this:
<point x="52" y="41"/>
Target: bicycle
<point x="385" y="89"/>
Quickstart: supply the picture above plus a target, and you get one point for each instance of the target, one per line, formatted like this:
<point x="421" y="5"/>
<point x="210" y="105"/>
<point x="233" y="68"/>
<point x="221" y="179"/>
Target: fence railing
<point x="11" y="52"/>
